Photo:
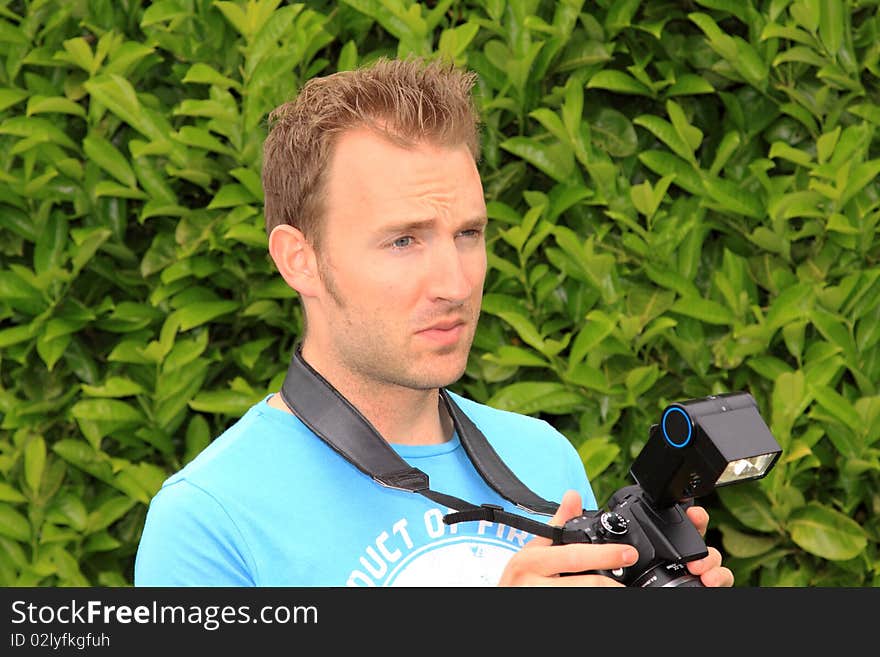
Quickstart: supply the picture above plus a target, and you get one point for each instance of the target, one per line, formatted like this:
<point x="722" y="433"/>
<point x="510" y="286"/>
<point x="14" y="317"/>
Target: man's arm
<point x="189" y="540"/>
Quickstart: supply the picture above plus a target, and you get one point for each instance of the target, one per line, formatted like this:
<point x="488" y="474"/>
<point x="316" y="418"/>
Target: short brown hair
<point x="407" y="101"/>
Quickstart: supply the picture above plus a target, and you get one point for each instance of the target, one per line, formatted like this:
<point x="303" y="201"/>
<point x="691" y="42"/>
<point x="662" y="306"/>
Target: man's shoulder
<point x="245" y="446"/>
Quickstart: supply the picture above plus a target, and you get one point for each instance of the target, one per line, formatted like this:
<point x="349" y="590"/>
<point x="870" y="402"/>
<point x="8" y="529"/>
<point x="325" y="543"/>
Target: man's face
<point x="402" y="259"/>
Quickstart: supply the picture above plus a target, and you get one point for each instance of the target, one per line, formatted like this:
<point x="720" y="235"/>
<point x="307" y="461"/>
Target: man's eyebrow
<point x="413" y="225"/>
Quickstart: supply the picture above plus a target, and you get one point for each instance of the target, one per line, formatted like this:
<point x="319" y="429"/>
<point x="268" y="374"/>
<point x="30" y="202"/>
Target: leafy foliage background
<point x="684" y="201"/>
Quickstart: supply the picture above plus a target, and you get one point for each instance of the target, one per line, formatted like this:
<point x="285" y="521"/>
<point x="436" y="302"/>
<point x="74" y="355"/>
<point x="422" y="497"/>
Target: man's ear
<point x="295" y="259"/>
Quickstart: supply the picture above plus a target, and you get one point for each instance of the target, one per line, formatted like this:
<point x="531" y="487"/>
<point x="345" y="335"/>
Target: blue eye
<point x="402" y="242"/>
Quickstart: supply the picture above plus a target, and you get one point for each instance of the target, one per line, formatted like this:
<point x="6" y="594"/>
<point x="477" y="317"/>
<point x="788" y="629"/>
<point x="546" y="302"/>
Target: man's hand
<point x="540" y="563"/>
<point x="709" y="568"/>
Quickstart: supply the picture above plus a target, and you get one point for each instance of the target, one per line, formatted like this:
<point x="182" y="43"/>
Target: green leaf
<point x="10" y="494"/>
<point x="861" y="175"/>
<point x="106" y="156"/>
<point x="101" y="542"/>
<point x="231" y="196"/>
<point x="524" y="328"/>
<point x="68" y="509"/>
<point x="556" y="160"/>
<point x="34" y="462"/>
<point x="110" y="188"/>
<point x="792" y="304"/>
<point x="598" y="326"/>
<point x="86" y="241"/>
<point x="201" y="73"/>
<point x="732" y="197"/>
<point x="14" y="525"/>
<point x="646" y="198"/>
<point x="114" y="386"/>
<point x="826" y="532"/>
<point x="79" y="53"/>
<point x="202" y="312"/>
<point x="790" y="399"/>
<point x="835" y="332"/>
<point x="223" y="402"/>
<point x="126" y="57"/>
<point x="85" y="457"/>
<point x="746" y="502"/>
<point x="198" y="436"/>
<point x="161" y="11"/>
<point x="705" y="310"/>
<point x="640" y="379"/>
<point x="689" y="134"/>
<point x="201" y="138"/>
<point x="108" y="512"/>
<point x="37" y="130"/>
<point x="585" y="375"/>
<point x="665" y="164"/>
<point x="597" y="455"/>
<point x="54" y="104"/>
<point x="690" y="85"/>
<point x="666" y="133"/>
<point x="147" y="476"/>
<point x="20" y="294"/>
<point x="16" y="334"/>
<point x="49" y="250"/>
<point x="743" y="545"/>
<point x="455" y="41"/>
<point x="236" y="16"/>
<point x="108" y="410"/>
<point x="838" y="406"/>
<point x="833" y="17"/>
<point x="508" y="355"/>
<point x="613" y="133"/>
<point x="536" y="397"/>
<point x="11" y="96"/>
<point x="619" y="82"/>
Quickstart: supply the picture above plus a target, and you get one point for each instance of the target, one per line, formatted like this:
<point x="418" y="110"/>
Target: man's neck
<point x="400" y="415"/>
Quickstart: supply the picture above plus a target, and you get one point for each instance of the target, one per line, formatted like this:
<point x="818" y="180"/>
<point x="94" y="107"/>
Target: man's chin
<point x="439" y="374"/>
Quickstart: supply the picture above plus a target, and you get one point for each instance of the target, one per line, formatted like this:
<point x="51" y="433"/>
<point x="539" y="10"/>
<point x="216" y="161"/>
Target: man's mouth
<point x="444" y="333"/>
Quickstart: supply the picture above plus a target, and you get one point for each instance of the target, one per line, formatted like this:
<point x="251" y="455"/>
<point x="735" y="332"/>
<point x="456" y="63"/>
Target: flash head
<point x="701" y="444"/>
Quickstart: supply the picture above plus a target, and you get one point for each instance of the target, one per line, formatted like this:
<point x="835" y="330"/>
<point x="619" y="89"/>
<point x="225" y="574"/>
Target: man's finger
<point x="699" y="517"/>
<point x="552" y="560"/>
<point x="570" y="507"/>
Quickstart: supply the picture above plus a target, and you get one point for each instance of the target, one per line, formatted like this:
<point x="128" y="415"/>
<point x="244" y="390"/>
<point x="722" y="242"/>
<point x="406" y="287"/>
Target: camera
<point x="697" y="446"/>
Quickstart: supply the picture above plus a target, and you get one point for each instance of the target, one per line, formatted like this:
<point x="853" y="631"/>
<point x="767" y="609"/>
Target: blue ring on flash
<point x="666" y="435"/>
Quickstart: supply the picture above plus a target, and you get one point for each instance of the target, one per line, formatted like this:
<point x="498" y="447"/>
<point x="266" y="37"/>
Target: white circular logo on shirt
<point x="464" y="561"/>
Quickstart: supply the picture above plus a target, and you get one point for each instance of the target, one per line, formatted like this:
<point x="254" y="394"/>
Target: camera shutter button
<point x="613" y="523"/>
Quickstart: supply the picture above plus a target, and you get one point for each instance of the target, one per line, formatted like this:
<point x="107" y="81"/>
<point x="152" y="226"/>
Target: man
<point x="376" y="217"/>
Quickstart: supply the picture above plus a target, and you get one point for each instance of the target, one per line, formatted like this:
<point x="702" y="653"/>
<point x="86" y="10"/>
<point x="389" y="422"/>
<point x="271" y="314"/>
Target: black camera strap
<point x="332" y="418"/>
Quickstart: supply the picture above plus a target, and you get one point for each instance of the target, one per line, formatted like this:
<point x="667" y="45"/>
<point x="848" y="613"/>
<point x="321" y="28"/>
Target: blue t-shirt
<point x="268" y="503"/>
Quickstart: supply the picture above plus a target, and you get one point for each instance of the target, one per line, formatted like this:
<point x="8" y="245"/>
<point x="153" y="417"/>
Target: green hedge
<point x="684" y="201"/>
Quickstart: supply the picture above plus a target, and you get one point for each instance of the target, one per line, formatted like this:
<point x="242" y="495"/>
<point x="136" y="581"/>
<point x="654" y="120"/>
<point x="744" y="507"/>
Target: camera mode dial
<point x="612" y="523"/>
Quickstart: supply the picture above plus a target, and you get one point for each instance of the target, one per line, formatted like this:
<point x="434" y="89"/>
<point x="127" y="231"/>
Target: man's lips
<point x="446" y="332"/>
<point x="444" y="326"/>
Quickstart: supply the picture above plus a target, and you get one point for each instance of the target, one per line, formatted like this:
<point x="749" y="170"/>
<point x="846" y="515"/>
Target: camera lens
<point x="668" y="576"/>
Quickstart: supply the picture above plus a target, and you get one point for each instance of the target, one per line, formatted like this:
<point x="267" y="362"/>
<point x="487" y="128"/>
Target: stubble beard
<point x="373" y="361"/>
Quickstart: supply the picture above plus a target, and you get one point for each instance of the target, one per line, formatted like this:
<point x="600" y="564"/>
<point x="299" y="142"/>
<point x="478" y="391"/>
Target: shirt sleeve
<point x="190" y="540"/>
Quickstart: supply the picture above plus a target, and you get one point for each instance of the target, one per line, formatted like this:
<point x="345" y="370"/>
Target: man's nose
<point x="448" y="275"/>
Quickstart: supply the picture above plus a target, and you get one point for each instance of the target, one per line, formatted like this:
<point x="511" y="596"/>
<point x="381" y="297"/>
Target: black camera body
<point x="665" y="538"/>
<point x="699" y="445"/>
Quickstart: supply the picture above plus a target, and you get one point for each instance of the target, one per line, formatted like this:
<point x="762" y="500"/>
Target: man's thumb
<point x="570" y="507"/>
